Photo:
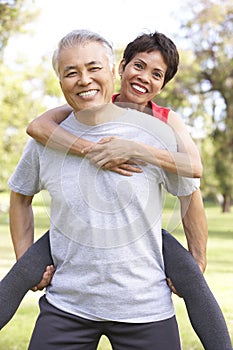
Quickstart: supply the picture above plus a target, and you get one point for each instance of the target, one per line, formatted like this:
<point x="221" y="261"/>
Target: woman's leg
<point x="25" y="274"/>
<point x="204" y="312"/>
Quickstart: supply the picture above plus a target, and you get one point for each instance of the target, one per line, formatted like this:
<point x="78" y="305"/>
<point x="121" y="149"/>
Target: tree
<point x="13" y="18"/>
<point x="207" y="32"/>
<point x="14" y="101"/>
<point x="24" y="94"/>
<point x="22" y="89"/>
<point x="17" y="107"/>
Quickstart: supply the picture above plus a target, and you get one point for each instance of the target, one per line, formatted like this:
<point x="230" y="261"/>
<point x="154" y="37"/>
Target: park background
<point x="202" y="92"/>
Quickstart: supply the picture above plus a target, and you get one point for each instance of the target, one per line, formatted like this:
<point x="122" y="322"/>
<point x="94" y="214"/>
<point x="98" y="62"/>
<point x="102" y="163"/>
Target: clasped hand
<point x="114" y="154"/>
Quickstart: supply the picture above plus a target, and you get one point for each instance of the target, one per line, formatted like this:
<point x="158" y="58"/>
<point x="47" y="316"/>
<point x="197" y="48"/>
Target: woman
<point x="143" y="76"/>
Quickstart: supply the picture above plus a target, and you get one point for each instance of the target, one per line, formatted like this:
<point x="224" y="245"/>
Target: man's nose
<point x="84" y="78"/>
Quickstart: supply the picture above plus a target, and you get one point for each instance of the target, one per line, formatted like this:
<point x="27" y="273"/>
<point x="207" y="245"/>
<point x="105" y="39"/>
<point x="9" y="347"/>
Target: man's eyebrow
<point x="67" y="68"/>
<point x="91" y="63"/>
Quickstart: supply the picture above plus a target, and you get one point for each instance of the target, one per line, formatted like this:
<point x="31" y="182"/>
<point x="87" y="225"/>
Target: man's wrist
<point x="200" y="260"/>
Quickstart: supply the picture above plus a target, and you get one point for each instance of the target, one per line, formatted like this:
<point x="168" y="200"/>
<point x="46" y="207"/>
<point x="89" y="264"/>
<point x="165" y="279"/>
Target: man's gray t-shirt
<point x="105" y="230"/>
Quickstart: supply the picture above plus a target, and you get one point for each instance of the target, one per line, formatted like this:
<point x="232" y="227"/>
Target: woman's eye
<point x="138" y="65"/>
<point x="157" y="75"/>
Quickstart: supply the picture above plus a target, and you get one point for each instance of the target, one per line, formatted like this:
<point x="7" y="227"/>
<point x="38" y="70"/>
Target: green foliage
<point x="19" y="101"/>
<point x="19" y="104"/>
<point x="23" y="95"/>
<point x="13" y="18"/>
<point x="49" y="81"/>
<point x="203" y="91"/>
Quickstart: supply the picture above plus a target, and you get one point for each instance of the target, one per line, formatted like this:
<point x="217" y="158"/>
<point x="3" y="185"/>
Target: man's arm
<point x="21" y="222"/>
<point x="195" y="226"/>
<point x="22" y="231"/>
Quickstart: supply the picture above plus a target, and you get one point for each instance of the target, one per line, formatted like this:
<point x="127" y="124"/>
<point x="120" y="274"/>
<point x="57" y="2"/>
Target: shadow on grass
<point x="221" y="234"/>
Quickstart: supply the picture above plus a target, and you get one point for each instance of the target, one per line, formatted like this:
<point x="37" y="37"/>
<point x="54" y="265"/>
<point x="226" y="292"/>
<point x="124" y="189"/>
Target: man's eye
<point x="94" y="69"/>
<point x="70" y="74"/>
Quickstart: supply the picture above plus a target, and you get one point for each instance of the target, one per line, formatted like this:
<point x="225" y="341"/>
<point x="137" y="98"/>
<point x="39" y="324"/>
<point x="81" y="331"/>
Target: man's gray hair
<point x="80" y="37"/>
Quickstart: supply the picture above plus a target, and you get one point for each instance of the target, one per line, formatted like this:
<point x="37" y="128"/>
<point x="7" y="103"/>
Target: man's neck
<point x="99" y="114"/>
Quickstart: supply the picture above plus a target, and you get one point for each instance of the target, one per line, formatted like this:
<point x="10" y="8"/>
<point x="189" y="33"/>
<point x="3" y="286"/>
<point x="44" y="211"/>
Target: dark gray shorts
<point x="58" y="330"/>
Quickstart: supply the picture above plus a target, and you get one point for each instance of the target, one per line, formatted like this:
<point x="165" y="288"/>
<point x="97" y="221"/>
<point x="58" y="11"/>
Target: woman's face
<point x="142" y="78"/>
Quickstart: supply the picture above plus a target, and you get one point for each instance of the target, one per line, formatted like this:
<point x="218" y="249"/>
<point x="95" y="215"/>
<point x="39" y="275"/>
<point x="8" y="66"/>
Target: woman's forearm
<point x="179" y="163"/>
<point x="46" y="130"/>
<point x="185" y="162"/>
<point x="116" y="150"/>
<point x="188" y="153"/>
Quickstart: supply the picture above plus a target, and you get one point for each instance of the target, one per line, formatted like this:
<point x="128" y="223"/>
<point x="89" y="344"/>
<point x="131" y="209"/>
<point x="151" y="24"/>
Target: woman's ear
<point x="121" y="67"/>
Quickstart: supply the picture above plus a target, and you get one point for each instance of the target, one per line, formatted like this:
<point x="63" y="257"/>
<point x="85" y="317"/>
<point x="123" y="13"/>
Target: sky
<point x="119" y="21"/>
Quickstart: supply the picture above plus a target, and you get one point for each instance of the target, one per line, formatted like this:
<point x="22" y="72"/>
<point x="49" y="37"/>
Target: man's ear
<point x="121" y="67"/>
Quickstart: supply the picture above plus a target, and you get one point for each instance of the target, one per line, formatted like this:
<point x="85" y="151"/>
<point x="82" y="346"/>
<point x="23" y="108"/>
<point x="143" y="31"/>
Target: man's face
<point x="86" y="77"/>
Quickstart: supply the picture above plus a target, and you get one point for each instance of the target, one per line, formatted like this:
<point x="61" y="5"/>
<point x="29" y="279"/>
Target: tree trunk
<point x="226" y="205"/>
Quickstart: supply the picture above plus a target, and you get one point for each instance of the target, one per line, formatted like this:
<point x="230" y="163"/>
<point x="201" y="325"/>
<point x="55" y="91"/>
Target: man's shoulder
<point x="153" y="126"/>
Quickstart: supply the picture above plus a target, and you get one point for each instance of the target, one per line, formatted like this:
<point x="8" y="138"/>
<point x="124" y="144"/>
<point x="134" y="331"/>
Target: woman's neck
<point x="121" y="102"/>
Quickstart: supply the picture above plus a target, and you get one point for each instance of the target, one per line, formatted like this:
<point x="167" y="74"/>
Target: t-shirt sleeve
<point x="180" y="185"/>
<point x="25" y="179"/>
<point x="175" y="184"/>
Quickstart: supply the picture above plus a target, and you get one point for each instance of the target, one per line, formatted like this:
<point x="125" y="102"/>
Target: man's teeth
<point x="88" y="93"/>
<point x="139" y="88"/>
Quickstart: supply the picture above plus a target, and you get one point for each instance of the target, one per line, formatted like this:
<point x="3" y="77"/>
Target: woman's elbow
<point x="33" y="129"/>
<point x="30" y="129"/>
<point x="198" y="170"/>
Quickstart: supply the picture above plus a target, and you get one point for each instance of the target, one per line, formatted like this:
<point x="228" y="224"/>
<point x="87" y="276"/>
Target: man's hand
<point x="46" y="279"/>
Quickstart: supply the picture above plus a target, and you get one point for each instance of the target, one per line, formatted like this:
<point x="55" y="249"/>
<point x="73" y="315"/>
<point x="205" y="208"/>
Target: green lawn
<point x="219" y="274"/>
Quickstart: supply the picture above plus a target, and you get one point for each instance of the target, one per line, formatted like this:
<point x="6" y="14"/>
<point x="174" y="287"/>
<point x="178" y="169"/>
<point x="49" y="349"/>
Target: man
<point x="105" y="232"/>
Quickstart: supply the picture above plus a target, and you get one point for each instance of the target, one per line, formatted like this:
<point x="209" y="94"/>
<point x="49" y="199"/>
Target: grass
<point x="219" y="274"/>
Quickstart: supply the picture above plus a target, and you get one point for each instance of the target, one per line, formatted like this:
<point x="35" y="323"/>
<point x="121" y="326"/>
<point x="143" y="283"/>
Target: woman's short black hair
<point x="155" y="42"/>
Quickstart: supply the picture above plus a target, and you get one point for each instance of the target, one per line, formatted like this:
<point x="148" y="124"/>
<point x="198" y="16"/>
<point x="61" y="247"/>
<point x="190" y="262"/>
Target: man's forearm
<point x="195" y="226"/>
<point x="21" y="222"/>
